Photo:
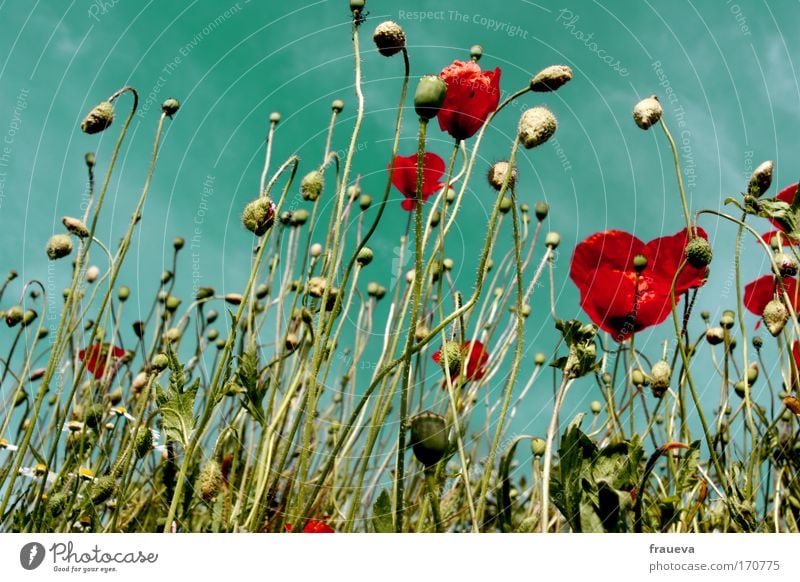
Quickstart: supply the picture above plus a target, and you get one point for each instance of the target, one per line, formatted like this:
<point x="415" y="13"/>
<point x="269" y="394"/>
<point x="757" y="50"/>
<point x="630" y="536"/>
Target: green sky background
<point x="728" y="67"/>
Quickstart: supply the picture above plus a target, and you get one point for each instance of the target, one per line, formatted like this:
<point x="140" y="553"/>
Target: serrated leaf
<point x="687" y="472"/>
<point x="177" y="412"/>
<point x="382" y="513"/>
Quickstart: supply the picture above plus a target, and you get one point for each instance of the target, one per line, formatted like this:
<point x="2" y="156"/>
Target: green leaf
<point x="382" y="513"/>
<point x="687" y="472"/>
<point x="177" y="412"/>
<point x="247" y="376"/>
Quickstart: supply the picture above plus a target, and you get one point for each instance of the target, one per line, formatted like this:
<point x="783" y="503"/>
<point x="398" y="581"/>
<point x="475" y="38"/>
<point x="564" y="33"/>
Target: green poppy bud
<point x="59" y="246"/>
<point x="429" y="438"/>
<point x="429" y="96"/>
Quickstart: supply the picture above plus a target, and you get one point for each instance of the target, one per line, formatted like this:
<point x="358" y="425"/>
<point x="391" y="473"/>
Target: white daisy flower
<point x="120" y="411"/>
<point x="38" y="471"/>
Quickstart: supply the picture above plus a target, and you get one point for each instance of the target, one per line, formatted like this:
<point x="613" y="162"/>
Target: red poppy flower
<point x="768" y="237"/>
<point x="471" y="96"/>
<point x="313" y="526"/>
<point x="602" y="269"/>
<point x="764" y="289"/>
<point x="477" y="357"/>
<point x="785" y="195"/>
<point x="404" y="177"/>
<point x="95" y="357"/>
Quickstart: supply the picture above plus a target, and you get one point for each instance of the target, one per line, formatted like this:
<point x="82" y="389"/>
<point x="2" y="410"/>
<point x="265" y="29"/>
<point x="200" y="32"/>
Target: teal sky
<point x="724" y="72"/>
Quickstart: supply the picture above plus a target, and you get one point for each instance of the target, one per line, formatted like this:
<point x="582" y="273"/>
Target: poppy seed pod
<point x="775" y="317"/>
<point x="536" y="126"/>
<point x="552" y="240"/>
<point x="429" y="438"/>
<point x="337" y="105"/>
<point x="178" y="242"/>
<point x="259" y="215"/>
<point x="364" y="201"/>
<point x="275" y="118"/>
<point x="647" y="112"/>
<point x="59" y="246"/>
<point x="551" y="78"/>
<point x="476" y="52"/>
<point x="98" y="118"/>
<point x="541" y="209"/>
<point x="639" y="263"/>
<point x="311" y="186"/>
<point x="75" y="226"/>
<point x="389" y="38"/>
<point x="596" y="407"/>
<point x="715" y="336"/>
<point x="497" y="175"/>
<point x="299" y="217"/>
<point x="699" y="253"/>
<point x="429" y="97"/>
<point x="761" y="179"/>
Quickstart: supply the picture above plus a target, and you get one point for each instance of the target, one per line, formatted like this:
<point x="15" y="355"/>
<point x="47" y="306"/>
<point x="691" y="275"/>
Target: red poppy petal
<point x="758" y="293"/>
<point x="477" y="358"/>
<point x="612" y="249"/>
<point x="471" y="96"/>
<point x="409" y="204"/>
<point x="314" y="526"/>
<point x="785" y="195"/>
<point x="437" y="357"/>
<point x="768" y="237"/>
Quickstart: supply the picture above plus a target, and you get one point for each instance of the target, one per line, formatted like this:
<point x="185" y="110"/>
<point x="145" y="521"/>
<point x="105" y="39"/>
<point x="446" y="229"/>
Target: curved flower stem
<point x="519" y="341"/>
<point x="60" y="343"/>
<point x="417" y="292"/>
<point x="268" y="155"/>
<point x="688" y="375"/>
<point x="566" y="382"/>
<point x="676" y="158"/>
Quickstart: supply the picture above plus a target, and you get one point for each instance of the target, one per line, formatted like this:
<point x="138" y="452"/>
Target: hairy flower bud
<point x="538" y="446"/>
<point x="698" y="252"/>
<point x="210" y="480"/>
<point x="103" y="489"/>
<point x="647" y="112"/>
<point x="311" y="186"/>
<point x="170" y="106"/>
<point x="365" y="256"/>
<point x="715" y="336"/>
<point x="551" y="78"/>
<point x="660" y="375"/>
<point x="389" y="38"/>
<point x="450" y="357"/>
<point x="259" y="215"/>
<point x="75" y="226"/>
<point x="787" y="266"/>
<point x="497" y="175"/>
<point x="59" y="246"/>
<point x="536" y="126"/>
<point x="775" y="316"/>
<point x="98" y="118"/>
<point x="429" y="438"/>
<point x="761" y="179"/>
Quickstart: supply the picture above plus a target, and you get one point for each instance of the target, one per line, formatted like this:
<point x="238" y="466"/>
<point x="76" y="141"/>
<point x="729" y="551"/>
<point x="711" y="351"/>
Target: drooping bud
<point x="660" y="375"/>
<point x="647" y="112"/>
<point x="160" y="362"/>
<point x="98" y="118"/>
<point x="787" y="266"/>
<point x="761" y="179"/>
<point x="311" y="186"/>
<point x="536" y="126"/>
<point x="497" y="175"/>
<point x="476" y="52"/>
<point x="178" y="242"/>
<point x="775" y="316"/>
<point x="638" y="378"/>
<point x="389" y="38"/>
<point x="59" y="246"/>
<point x="429" y="438"/>
<point x="365" y="256"/>
<point x="75" y="226"/>
<point x="698" y="252"/>
<point x="715" y="336"/>
<point x="728" y="319"/>
<point x="551" y="78"/>
<point x="429" y="96"/>
<point x="259" y="215"/>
